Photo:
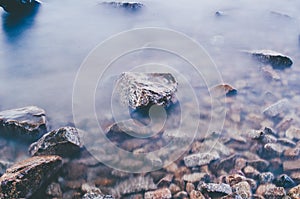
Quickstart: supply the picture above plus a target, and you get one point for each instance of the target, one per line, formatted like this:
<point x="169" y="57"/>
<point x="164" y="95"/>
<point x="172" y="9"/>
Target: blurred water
<point x="40" y="54"/>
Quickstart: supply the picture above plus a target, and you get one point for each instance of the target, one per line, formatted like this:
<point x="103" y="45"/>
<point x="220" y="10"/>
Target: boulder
<point x="24" y="178"/>
<point x="25" y="124"/>
<point x="64" y="141"/>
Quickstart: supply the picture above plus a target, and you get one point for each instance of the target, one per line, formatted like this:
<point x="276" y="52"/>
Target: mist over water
<point x="41" y="53"/>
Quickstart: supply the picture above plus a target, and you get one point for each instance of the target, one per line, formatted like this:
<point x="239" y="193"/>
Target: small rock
<point x="181" y="195"/>
<point x="286" y="142"/>
<point x="195" y="177"/>
<point x="292" y="153"/>
<point x="133" y="185"/>
<point x="250" y="172"/>
<point x="200" y="159"/>
<point x="276" y="109"/>
<point x="133" y="6"/>
<point x="189" y="187"/>
<point x="284" y="181"/>
<point x="223" y="90"/>
<point x="196" y="195"/>
<point x="291" y="165"/>
<point x="143" y="89"/>
<point x="64" y="142"/>
<point x="234" y="179"/>
<point x="54" y="190"/>
<point x="275" y="193"/>
<point x="275" y="59"/>
<point x="26" y="124"/>
<point x="270" y="74"/>
<point x="86" y="188"/>
<point x="263" y="188"/>
<point x="163" y="193"/>
<point x="259" y="164"/>
<point x="273" y="150"/>
<point x="26" y="177"/>
<point x="266" y="177"/>
<point x="295" y="176"/>
<point x="294" y="192"/>
<point x="93" y="195"/>
<point x="4" y="165"/>
<point x="174" y="188"/>
<point x="165" y="181"/>
<point x="222" y="189"/>
<point x="293" y="133"/>
<point x="243" y="189"/>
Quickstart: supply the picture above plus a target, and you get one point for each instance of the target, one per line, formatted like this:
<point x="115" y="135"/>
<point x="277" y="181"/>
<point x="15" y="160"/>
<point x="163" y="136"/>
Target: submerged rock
<point x="64" y="142"/>
<point x="223" y="90"/>
<point x="200" y="159"/>
<point x="18" y="6"/>
<point x="54" y="190"/>
<point x="132" y="6"/>
<point x="275" y="59"/>
<point x="214" y="188"/>
<point x="26" y="124"/>
<point x="163" y="193"/>
<point x="26" y="177"/>
<point x="142" y="89"/>
<point x="294" y="192"/>
<point x="277" y="108"/>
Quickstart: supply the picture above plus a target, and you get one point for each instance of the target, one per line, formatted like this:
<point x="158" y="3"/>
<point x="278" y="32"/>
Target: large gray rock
<point x="26" y="124"/>
<point x="143" y="89"/>
<point x="24" y="178"/>
<point x="275" y="59"/>
<point x="64" y="141"/>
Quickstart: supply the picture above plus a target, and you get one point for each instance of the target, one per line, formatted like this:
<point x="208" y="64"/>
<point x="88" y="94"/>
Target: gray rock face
<point x="200" y="159"/>
<point x="64" y="141"/>
<point x="143" y="89"/>
<point x="132" y="6"/>
<point x="26" y="177"/>
<point x="275" y="59"/>
<point x="26" y="124"/>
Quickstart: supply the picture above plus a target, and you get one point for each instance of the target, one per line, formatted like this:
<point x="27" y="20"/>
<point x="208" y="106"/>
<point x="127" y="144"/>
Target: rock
<point x="272" y="150"/>
<point x="142" y="89"/>
<point x="259" y="164"/>
<point x="54" y="190"/>
<point x="132" y="6"/>
<point x="165" y="181"/>
<point x="174" y="188"/>
<point x="189" y="187"/>
<point x="200" y="159"/>
<point x="263" y="188"/>
<point x="291" y="165"/>
<point x="266" y="177"/>
<point x="243" y="189"/>
<point x="93" y="195"/>
<point x="181" y="195"/>
<point x="195" y="177"/>
<point x="293" y="133"/>
<point x="286" y="142"/>
<point x="26" y="177"/>
<point x="223" y="90"/>
<point x="275" y="193"/>
<point x="276" y="109"/>
<point x="294" y="192"/>
<point x="18" y="6"/>
<point x="270" y="73"/>
<point x="292" y="153"/>
<point x="64" y="142"/>
<point x="284" y="181"/>
<point x="133" y="185"/>
<point x="295" y="175"/>
<point x="163" y="193"/>
<point x="213" y="188"/>
<point x="196" y="195"/>
<point x="275" y="59"/>
<point x="26" y="124"/>
<point x="250" y="172"/>
<point x="234" y="179"/>
<point x="4" y="165"/>
<point x="86" y="188"/>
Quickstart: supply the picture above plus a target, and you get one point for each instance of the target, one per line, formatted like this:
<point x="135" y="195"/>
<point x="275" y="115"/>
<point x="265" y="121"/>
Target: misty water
<point x="41" y="54"/>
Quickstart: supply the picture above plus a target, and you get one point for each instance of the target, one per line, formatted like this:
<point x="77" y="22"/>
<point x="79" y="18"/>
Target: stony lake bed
<point x="255" y="153"/>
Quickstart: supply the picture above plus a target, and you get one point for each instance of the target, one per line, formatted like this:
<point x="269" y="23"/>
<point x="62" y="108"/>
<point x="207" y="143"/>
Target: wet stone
<point x="26" y="177"/>
<point x="270" y="74"/>
<point x="234" y="179"/>
<point x="284" y="181"/>
<point x="292" y="153"/>
<point x="163" y="193"/>
<point x="266" y="177"/>
<point x="174" y="188"/>
<point x="263" y="188"/>
<point x="276" y="109"/>
<point x="214" y="188"/>
<point x="200" y="159"/>
<point x="26" y="124"/>
<point x="272" y="150"/>
<point x="143" y="89"/>
<point x="291" y="165"/>
<point x="243" y="189"/>
<point x="54" y="190"/>
<point x="275" y="59"/>
<point x="64" y="142"/>
<point x="93" y="195"/>
<point x="132" y="6"/>
<point x="196" y="195"/>
<point x="275" y="193"/>
<point x="259" y="164"/>
<point x="294" y="192"/>
<point x="250" y="172"/>
<point x="293" y="133"/>
<point x="181" y="195"/>
<point x="195" y="177"/>
<point x="295" y="176"/>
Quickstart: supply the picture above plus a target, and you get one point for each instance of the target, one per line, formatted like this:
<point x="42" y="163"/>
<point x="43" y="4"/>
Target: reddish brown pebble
<point x="163" y="193"/>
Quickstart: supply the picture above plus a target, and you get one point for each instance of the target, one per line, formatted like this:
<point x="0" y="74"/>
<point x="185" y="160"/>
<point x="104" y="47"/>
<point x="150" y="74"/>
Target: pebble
<point x="163" y="193"/>
<point x="174" y="188"/>
<point x="270" y="73"/>
<point x="200" y="159"/>
<point x="222" y="188"/>
<point x="294" y="192"/>
<point x="276" y="109"/>
<point x="250" y="172"/>
<point x="265" y="177"/>
<point x="195" y="177"/>
<point x="26" y="177"/>
<point x="259" y="164"/>
<point x="275" y="193"/>
<point x="293" y="133"/>
<point x="243" y="189"/>
<point x="196" y="195"/>
<point x="263" y="188"/>
<point x="54" y="190"/>
<point x="291" y="165"/>
<point x="181" y="195"/>
<point x="26" y="124"/>
<point x="64" y="142"/>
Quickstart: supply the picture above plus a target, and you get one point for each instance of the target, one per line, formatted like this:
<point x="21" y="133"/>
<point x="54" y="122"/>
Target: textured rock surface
<point x="275" y="59"/>
<point x="64" y="141"/>
<point x="277" y="108"/>
<point x="26" y="177"/>
<point x="164" y="193"/>
<point x="294" y="192"/>
<point x="142" y="89"/>
<point x="133" y="6"/>
<point x="200" y="159"/>
<point x="54" y="190"/>
<point x="26" y="124"/>
<point x="214" y="188"/>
